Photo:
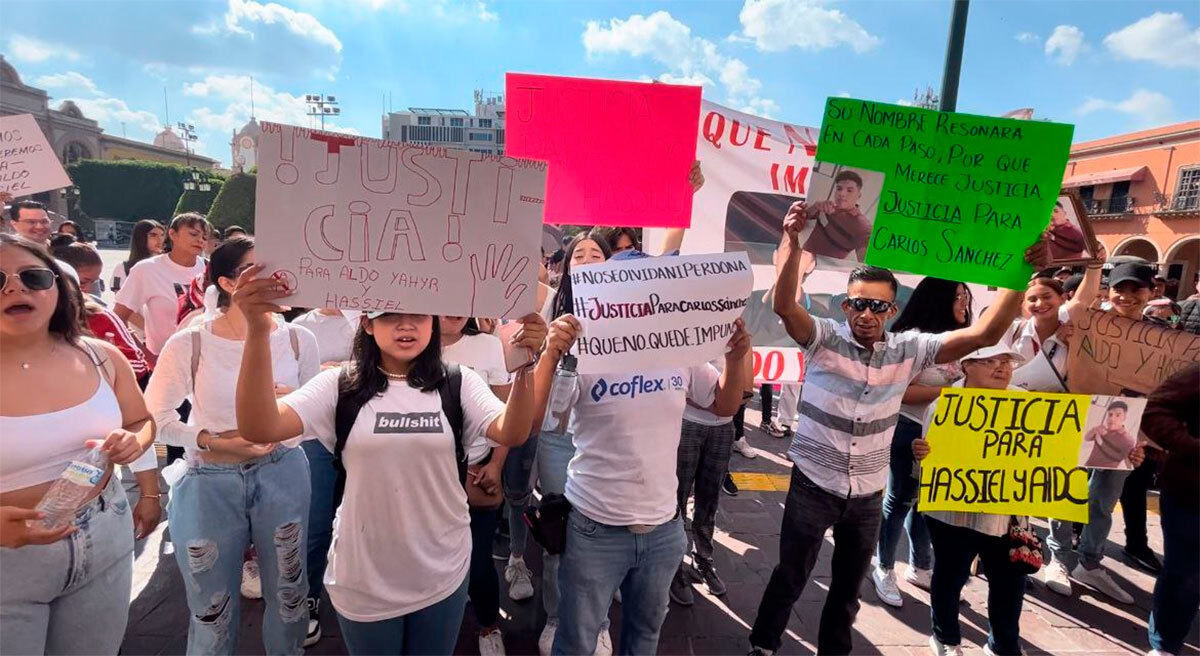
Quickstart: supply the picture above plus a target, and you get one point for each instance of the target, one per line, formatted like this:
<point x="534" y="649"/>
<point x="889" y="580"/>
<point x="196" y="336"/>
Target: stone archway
<point x="1138" y="247"/>
<point x="75" y="151"/>
<point x="1183" y="263"/>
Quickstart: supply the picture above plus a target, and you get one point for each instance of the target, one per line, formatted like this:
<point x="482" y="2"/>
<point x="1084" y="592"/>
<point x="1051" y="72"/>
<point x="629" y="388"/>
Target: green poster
<point x="956" y="196"/>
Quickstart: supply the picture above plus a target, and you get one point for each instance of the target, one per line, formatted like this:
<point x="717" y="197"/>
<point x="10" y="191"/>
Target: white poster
<point x="28" y="164"/>
<point x="658" y="312"/>
<point x="365" y="224"/>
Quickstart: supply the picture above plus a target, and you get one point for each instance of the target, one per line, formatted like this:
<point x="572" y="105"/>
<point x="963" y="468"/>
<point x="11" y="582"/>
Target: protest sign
<point x="28" y="164"/>
<point x="1071" y="238"/>
<point x="657" y="312"/>
<point x="1111" y="432"/>
<point x="1006" y="452"/>
<point x="775" y="365"/>
<point x="619" y="152"/>
<point x="963" y="195"/>
<point x="365" y="224"/>
<point x="1110" y="353"/>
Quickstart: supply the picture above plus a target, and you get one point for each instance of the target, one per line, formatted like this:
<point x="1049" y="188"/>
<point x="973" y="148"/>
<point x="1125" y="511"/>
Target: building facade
<point x="1141" y="192"/>
<point x="482" y="132"/>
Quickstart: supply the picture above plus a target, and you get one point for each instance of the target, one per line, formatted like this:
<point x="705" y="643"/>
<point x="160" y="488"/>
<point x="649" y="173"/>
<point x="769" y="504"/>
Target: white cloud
<point x="1148" y="108"/>
<point x="230" y="95"/>
<point x="695" y="79"/>
<point x="110" y="113"/>
<point x="1065" y="44"/>
<point x="306" y="26"/>
<point x="671" y="43"/>
<point x="28" y="49"/>
<point x="69" y="82"/>
<point x="905" y="102"/>
<point x="1165" y="39"/>
<point x="1027" y="37"/>
<point x="776" y="25"/>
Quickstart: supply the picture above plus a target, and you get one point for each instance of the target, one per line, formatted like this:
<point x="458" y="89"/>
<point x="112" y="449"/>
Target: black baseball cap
<point x="1138" y="272"/>
<point x="1072" y="284"/>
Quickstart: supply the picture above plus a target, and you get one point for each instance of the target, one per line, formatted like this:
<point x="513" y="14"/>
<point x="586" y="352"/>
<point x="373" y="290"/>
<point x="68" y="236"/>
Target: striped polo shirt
<point x="850" y="403"/>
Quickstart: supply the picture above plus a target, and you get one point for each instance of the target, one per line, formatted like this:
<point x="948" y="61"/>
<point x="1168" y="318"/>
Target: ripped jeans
<point x="217" y="511"/>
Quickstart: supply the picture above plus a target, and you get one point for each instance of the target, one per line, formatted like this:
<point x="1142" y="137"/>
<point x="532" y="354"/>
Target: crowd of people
<point x="372" y="459"/>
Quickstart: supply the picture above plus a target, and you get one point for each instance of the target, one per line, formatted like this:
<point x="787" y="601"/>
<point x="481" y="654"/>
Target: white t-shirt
<point x="939" y="375"/>
<point x="150" y="291"/>
<point x="402" y="536"/>
<point x="335" y="334"/>
<point x="626" y="438"/>
<point x="483" y="354"/>
<point x="1037" y="374"/>
<point x="215" y="386"/>
<point x="702" y="416"/>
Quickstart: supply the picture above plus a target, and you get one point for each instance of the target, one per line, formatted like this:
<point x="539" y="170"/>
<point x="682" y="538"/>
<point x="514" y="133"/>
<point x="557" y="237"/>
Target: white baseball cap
<point x="1003" y="348"/>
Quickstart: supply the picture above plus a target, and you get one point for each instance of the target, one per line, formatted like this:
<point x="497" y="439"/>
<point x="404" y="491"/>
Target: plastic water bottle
<point x="558" y="408"/>
<point x="68" y="493"/>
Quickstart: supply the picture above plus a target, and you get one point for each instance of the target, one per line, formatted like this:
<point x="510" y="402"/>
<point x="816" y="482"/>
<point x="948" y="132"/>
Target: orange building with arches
<point x="1141" y="192"/>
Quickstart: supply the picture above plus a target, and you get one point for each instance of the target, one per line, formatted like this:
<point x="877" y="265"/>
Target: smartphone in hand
<point x="515" y="357"/>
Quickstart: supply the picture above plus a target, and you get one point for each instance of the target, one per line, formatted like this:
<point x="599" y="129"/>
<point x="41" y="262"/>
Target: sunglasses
<point x="35" y="280"/>
<point x="875" y="305"/>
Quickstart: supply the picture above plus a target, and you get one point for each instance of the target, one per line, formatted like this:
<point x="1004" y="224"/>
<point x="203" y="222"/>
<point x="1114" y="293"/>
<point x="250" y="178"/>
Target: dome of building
<point x="169" y="140"/>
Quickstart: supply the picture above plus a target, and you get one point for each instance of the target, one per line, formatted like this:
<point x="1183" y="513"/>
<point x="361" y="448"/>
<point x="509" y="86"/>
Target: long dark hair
<point x="138" y="246"/>
<point x="224" y="263"/>
<point x="930" y="309"/>
<point x="65" y="322"/>
<point x="367" y="380"/>
<point x="564" y="301"/>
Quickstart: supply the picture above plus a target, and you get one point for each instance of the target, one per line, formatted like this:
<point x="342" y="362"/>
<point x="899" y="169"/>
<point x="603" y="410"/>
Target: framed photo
<point x="1111" y="432"/>
<point x="1071" y="238"/>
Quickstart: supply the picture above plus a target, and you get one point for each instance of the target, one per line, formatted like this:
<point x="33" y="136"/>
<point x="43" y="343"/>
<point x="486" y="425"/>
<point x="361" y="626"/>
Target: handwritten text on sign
<point x="658" y="312"/>
<point x="776" y="365"/>
<point x="28" y="164"/>
<point x="1004" y="452"/>
<point x="1110" y="353"/>
<point x="365" y="224"/>
<point x="963" y="195"/>
<point x="619" y="152"/>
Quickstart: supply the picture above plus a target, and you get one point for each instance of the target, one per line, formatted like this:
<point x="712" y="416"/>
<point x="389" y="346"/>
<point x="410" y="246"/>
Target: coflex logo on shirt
<point x="634" y="387"/>
<point x="408" y="422"/>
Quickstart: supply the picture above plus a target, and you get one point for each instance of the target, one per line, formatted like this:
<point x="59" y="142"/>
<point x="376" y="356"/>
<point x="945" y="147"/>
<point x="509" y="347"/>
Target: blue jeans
<point x="902" y="486"/>
<point x="217" y="511"/>
<point x="320" y="513"/>
<point x="72" y="596"/>
<point x="518" y="487"/>
<point x="955" y="547"/>
<point x="600" y="558"/>
<point x="1177" y="592"/>
<point x="1104" y="489"/>
<point x="433" y="630"/>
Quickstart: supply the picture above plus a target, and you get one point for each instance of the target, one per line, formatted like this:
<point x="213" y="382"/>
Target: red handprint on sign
<point x="494" y="278"/>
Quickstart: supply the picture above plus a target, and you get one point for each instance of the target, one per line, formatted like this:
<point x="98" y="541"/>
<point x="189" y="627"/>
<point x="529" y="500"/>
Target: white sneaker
<point x="1157" y="652"/>
<point x="491" y="643"/>
<point x="944" y="650"/>
<point x="885" y="586"/>
<point x="251" y="581"/>
<point x="603" y="644"/>
<point x="919" y="578"/>
<point x="1100" y="580"/>
<point x="520" y="582"/>
<point x="743" y="448"/>
<point x="546" y="640"/>
<point x="1056" y="578"/>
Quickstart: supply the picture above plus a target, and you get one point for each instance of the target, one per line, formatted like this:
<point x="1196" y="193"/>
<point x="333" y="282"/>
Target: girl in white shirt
<point x="402" y="539"/>
<point x="234" y="493"/>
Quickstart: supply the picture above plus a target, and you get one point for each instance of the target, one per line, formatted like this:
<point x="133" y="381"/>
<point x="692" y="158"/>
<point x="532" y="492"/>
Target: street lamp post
<point x="954" y="53"/>
<point x="322" y="105"/>
<point x="187" y="132"/>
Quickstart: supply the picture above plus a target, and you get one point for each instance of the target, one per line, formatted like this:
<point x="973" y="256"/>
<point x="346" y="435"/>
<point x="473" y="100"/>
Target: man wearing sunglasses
<point x="855" y="377"/>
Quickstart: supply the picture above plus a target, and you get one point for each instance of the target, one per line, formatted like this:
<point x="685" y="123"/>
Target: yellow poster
<point x="1006" y="452"/>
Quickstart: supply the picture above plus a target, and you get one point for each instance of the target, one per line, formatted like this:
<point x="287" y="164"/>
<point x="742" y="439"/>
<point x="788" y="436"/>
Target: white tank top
<point x="37" y="448"/>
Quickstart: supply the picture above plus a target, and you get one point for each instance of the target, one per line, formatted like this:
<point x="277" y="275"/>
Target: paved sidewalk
<point x="747" y="537"/>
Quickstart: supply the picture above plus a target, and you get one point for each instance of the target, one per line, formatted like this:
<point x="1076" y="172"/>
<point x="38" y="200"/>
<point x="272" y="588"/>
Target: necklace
<point x="390" y="375"/>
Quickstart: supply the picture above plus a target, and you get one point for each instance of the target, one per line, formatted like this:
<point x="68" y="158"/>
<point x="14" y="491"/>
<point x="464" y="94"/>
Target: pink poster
<point x="618" y="152"/>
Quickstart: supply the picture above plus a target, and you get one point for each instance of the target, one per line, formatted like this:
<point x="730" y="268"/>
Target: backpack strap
<point x="344" y="416"/>
<point x="450" y="391"/>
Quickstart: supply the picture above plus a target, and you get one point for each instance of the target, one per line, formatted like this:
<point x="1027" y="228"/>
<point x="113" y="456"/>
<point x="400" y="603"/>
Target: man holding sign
<point x="854" y="383"/>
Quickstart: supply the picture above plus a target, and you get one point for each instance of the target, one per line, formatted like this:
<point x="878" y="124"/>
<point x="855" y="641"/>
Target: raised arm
<point x="1089" y="287"/>
<point x="260" y="417"/>
<point x="796" y="320"/>
<point x="738" y="373"/>
<point x="999" y="317"/>
<point x="563" y="332"/>
<point x="513" y="425"/>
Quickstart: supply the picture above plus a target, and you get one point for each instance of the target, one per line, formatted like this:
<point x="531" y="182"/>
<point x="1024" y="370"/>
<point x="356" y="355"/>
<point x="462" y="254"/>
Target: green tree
<point x="234" y="205"/>
<point x="127" y="190"/>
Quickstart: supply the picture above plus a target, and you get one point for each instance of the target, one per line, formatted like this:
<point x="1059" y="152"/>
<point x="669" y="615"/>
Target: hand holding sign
<point x="256" y="297"/>
<point x="563" y="333"/>
<point x="794" y="222"/>
<point x="739" y="343"/>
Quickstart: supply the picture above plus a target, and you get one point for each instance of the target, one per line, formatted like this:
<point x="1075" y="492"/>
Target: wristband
<point x="151" y="496"/>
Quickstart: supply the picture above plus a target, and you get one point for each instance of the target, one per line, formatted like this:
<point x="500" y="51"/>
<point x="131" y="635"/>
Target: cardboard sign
<point x="963" y="195"/>
<point x="619" y="152"/>
<point x="28" y="164"/>
<point x="1110" y="353"/>
<point x="657" y="312"/>
<point x="365" y="224"/>
<point x="1005" y="452"/>
<point x="776" y="365"/>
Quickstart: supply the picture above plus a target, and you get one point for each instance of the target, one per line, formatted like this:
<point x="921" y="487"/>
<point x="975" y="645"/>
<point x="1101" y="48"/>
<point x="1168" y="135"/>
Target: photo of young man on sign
<point x="842" y="204"/>
<point x="1111" y="432"/>
<point x="1071" y="239"/>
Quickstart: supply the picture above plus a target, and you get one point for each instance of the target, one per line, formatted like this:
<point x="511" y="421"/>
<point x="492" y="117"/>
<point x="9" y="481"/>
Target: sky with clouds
<point x="1106" y="66"/>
